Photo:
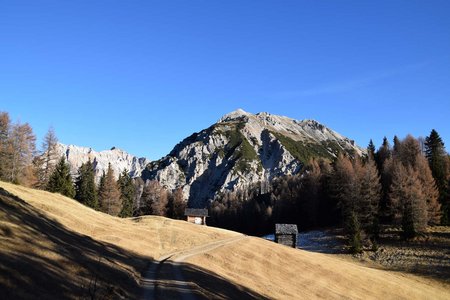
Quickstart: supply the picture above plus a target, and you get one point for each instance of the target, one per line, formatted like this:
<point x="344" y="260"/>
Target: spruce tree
<point x="60" y="180"/>
<point x="396" y="148"/>
<point x="354" y="232"/>
<point x="371" y="149"/>
<point x="383" y="153"/>
<point x="437" y="159"/>
<point x="127" y="192"/>
<point x="85" y="185"/>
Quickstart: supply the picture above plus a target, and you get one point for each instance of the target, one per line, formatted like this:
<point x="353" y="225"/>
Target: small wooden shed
<point x="286" y="234"/>
<point x="196" y="215"/>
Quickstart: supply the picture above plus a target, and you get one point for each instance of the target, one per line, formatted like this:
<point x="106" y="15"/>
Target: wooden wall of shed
<point x="289" y="240"/>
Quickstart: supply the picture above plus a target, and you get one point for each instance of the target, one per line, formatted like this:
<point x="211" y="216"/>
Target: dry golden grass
<point x="276" y="271"/>
<point x="51" y="247"/>
<point x="151" y="236"/>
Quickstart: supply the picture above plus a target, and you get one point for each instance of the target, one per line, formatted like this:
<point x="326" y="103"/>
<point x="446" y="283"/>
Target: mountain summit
<point x="242" y="149"/>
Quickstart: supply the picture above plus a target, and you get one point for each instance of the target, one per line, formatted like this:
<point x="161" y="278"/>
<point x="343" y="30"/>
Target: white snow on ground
<point x="323" y="241"/>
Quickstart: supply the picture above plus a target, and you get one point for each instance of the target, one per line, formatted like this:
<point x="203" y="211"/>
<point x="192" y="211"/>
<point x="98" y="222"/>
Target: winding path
<point x="164" y="278"/>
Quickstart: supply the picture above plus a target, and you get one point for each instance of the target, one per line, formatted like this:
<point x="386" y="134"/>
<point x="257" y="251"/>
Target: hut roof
<point x="286" y="228"/>
<point x="196" y="212"/>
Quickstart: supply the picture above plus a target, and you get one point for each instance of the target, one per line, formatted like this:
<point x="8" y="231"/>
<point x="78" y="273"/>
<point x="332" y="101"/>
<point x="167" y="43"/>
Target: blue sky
<point x="142" y="75"/>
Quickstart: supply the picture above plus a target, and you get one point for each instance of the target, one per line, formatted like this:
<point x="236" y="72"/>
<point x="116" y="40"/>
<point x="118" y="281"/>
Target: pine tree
<point x="127" y="192"/>
<point x="437" y="159"/>
<point x="85" y="185"/>
<point x="60" y="180"/>
<point x="109" y="193"/>
<point x="354" y="232"/>
<point x="396" y="148"/>
<point x="383" y="153"/>
<point x="371" y="149"/>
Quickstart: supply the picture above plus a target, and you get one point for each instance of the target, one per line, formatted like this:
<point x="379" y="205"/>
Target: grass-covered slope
<point x="52" y="247"/>
<point x="279" y="272"/>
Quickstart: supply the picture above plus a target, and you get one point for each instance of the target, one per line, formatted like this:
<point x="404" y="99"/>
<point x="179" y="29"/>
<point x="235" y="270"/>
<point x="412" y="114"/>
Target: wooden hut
<point x="286" y="234"/>
<point x="196" y="215"/>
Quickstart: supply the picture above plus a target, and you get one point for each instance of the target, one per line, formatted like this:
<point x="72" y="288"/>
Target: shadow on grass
<point x="186" y="281"/>
<point x="42" y="259"/>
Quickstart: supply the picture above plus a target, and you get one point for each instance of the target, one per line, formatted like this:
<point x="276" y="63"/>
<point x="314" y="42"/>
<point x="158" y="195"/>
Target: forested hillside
<point x="263" y="182"/>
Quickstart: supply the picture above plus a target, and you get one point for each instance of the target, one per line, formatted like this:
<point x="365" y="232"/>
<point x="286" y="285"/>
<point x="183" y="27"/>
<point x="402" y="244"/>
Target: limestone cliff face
<point x="243" y="149"/>
<point x="119" y="159"/>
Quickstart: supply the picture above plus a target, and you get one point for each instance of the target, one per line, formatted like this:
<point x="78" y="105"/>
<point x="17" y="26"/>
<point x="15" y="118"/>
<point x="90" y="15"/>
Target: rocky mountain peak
<point x="238" y="114"/>
<point x="243" y="149"/>
<point x="119" y="159"/>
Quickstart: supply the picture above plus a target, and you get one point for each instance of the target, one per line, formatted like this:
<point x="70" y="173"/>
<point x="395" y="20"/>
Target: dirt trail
<point x="164" y="278"/>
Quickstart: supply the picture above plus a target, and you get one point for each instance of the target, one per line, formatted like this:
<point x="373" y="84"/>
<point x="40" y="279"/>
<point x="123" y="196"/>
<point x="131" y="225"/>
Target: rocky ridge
<point x="243" y="149"/>
<point x="119" y="159"/>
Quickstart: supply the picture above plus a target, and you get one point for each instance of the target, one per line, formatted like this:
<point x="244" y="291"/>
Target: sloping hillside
<point x="53" y="247"/>
<point x="284" y="273"/>
<point x="243" y="149"/>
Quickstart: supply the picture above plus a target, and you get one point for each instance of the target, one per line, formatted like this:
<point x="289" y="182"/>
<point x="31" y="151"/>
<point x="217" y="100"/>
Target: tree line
<point x="405" y="185"/>
<point x="22" y="163"/>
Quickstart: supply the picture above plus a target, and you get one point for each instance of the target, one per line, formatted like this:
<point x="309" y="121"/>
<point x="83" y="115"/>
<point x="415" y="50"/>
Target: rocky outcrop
<point x="242" y="149"/>
<point x="119" y="159"/>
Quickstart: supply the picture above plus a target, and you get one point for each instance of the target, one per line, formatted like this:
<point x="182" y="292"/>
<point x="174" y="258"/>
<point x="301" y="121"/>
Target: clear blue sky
<point x="142" y="75"/>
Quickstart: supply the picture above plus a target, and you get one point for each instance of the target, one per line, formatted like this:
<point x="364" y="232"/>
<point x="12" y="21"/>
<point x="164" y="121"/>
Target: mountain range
<point x="242" y="149"/>
<point x="119" y="160"/>
<point x="239" y="150"/>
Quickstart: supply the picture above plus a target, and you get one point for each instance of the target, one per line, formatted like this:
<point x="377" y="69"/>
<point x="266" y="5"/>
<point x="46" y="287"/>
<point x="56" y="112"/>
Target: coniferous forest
<point x="403" y="184"/>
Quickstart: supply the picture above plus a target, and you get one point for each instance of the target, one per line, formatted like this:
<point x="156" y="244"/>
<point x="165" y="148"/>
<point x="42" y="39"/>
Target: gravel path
<point x="165" y="280"/>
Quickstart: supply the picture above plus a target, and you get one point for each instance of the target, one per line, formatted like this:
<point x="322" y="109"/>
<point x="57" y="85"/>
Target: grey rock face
<point x="243" y="149"/>
<point x="119" y="159"/>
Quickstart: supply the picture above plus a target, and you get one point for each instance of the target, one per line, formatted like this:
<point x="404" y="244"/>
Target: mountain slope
<point x="119" y="159"/>
<point x="52" y="247"/>
<point x="243" y="149"/>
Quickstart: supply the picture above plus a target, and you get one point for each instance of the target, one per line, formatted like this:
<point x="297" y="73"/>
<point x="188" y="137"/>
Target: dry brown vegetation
<point x="427" y="254"/>
<point x="285" y="273"/>
<point x="53" y="247"/>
